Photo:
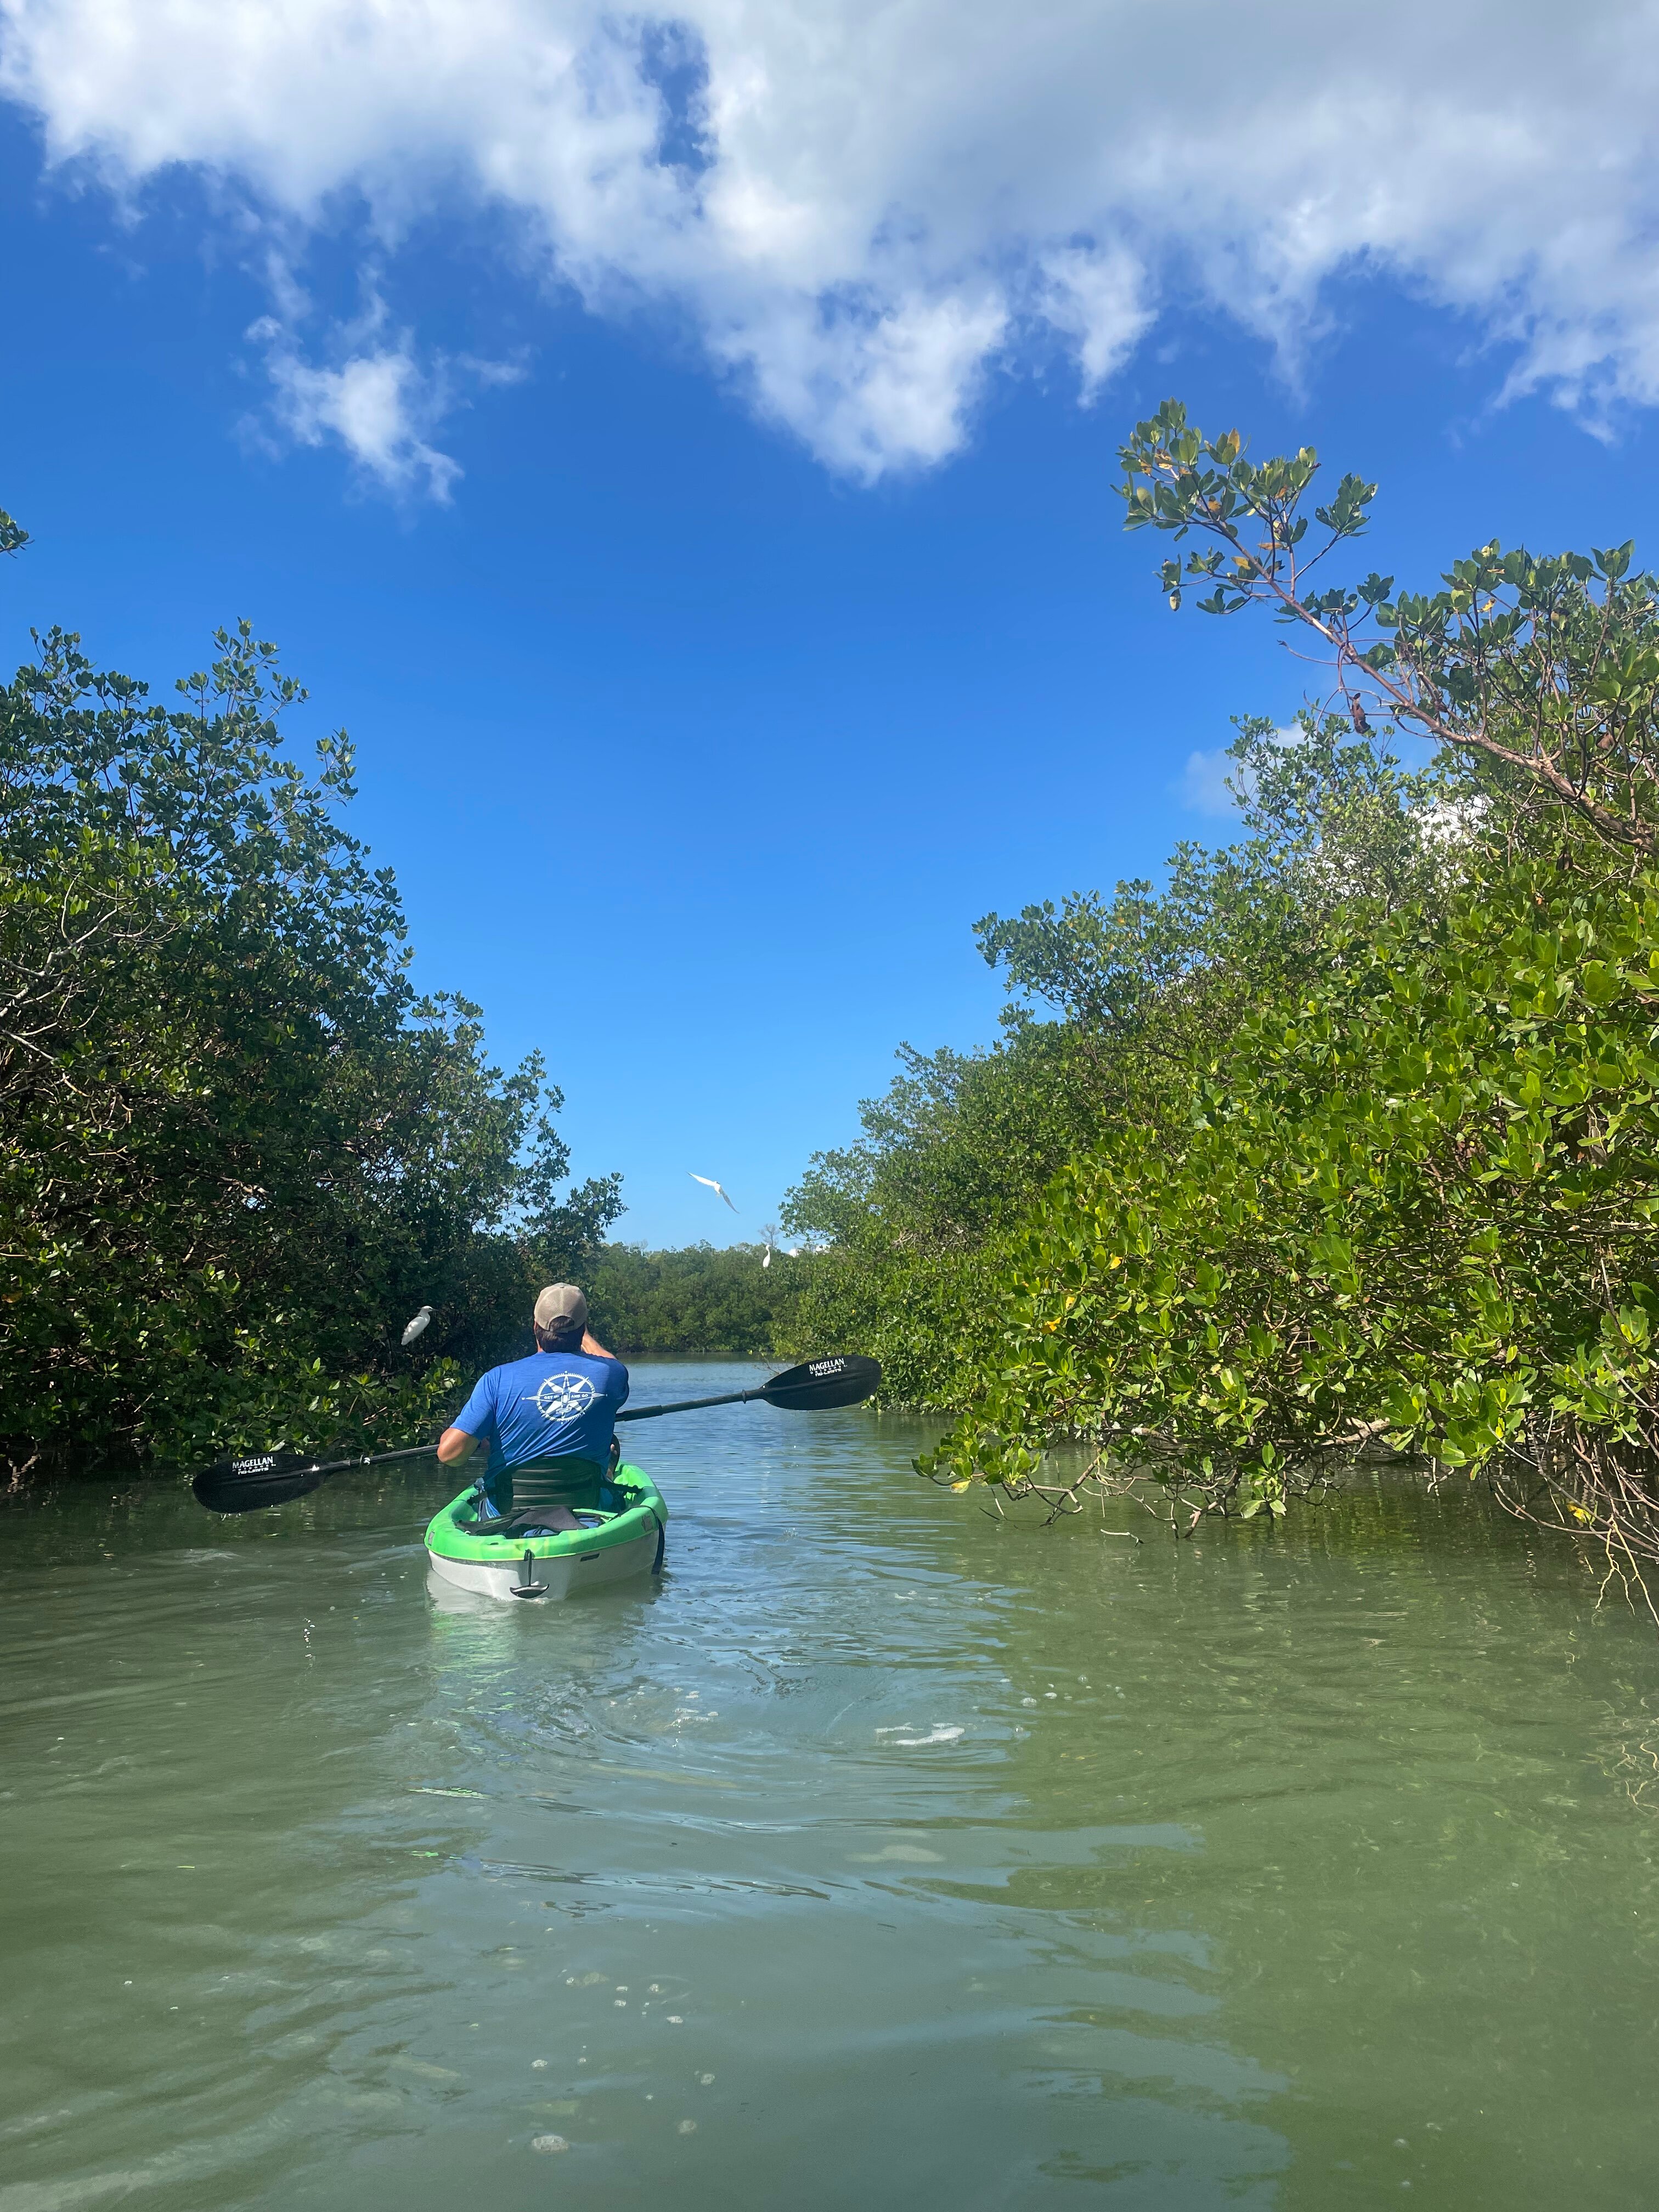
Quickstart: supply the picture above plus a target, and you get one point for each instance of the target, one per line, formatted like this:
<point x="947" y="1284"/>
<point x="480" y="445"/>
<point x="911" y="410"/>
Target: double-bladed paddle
<point x="241" y="1486"/>
<point x="844" y="1379"/>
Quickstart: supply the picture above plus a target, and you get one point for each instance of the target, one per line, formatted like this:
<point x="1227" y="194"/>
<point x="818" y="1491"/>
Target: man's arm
<point x="593" y="1348"/>
<point x="458" y="1443"/>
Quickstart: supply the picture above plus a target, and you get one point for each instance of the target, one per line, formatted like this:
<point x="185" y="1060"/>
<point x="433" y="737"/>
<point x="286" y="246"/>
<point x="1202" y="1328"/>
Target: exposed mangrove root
<point x="1601" y="1491"/>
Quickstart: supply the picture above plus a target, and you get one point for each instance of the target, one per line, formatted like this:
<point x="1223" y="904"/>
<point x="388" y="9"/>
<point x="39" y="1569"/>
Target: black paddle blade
<point x="844" y="1379"/>
<point x="241" y="1486"/>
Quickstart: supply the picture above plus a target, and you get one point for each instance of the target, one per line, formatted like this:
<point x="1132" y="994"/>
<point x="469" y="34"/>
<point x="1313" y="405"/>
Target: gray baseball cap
<point x="561" y="1304"/>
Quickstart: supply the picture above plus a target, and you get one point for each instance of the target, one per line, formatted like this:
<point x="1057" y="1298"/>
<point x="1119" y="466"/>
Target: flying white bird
<point x="417" y="1326"/>
<point x="710" y="1183"/>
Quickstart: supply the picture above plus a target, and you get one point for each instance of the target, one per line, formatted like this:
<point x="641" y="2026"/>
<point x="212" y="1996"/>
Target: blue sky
<point x="701" y="711"/>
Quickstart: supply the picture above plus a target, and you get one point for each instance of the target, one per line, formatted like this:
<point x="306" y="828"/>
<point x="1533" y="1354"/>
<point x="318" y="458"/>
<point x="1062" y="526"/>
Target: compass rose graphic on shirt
<point x="563" y="1397"/>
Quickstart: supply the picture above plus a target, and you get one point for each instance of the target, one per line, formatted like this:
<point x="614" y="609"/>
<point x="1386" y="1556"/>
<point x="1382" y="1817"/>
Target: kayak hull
<point x="612" y="1547"/>
<point x="549" y="1578"/>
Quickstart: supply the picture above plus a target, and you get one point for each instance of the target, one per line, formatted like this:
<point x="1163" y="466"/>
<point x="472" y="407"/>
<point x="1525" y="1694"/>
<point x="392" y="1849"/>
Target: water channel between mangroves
<point x="879" y="1855"/>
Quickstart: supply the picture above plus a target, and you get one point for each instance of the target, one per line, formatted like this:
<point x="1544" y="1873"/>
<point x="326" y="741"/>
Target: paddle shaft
<point x="425" y="1451"/>
<point x="639" y="1413"/>
<point x="369" y="1459"/>
<point x="271" y="1479"/>
<point x="688" y="1405"/>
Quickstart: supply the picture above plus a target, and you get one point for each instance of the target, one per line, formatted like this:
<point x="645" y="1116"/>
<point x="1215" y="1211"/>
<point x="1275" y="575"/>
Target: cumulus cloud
<point x="863" y="209"/>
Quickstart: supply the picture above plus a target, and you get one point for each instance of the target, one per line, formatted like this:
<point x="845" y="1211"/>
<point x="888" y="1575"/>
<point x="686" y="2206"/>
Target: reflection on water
<point x="879" y="1856"/>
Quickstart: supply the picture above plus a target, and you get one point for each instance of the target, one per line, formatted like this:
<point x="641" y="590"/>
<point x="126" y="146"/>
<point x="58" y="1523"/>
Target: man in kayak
<point x="547" y="1422"/>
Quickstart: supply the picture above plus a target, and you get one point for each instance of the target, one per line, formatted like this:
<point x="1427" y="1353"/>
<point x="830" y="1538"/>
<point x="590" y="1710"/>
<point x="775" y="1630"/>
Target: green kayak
<point x="608" y="1547"/>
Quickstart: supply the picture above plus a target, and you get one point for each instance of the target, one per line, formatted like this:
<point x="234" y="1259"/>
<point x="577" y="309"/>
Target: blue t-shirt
<point x="555" y="1405"/>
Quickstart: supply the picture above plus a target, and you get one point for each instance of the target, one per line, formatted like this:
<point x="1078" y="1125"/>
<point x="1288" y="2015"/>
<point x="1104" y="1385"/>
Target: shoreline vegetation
<point x="238" y="1150"/>
<point x="1341" y="1140"/>
<point x="1346" y="1140"/>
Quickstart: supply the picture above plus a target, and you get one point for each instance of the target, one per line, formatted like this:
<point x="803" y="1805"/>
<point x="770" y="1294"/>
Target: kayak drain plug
<point x="528" y="1586"/>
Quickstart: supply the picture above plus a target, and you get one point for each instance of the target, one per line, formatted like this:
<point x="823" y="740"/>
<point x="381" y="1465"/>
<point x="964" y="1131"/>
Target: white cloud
<point x="376" y="399"/>
<point x="1205" y="779"/>
<point x="876" y="386"/>
<point x="863" y="207"/>
<point x="1097" y="298"/>
<point x="1445" y="826"/>
<point x="1203" y="784"/>
<point x="371" y="404"/>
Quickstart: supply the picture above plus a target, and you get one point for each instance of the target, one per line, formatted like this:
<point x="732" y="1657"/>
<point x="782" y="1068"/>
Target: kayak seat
<point x="535" y="1521"/>
<point x="547" y="1497"/>
<point x="543" y="1485"/>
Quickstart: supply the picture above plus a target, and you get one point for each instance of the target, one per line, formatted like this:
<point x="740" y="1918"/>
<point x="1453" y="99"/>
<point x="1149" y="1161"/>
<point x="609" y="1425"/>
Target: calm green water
<point x="879" y="1856"/>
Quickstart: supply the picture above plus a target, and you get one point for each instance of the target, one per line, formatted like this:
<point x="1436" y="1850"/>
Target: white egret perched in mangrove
<point x="710" y="1182"/>
<point x="417" y="1326"/>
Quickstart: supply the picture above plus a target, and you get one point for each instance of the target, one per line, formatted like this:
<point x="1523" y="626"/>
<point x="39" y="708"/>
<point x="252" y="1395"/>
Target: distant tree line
<point x="698" y="1299"/>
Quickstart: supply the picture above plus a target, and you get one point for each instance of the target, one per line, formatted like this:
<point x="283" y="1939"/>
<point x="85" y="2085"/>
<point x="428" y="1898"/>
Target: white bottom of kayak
<point x="559" y="1578"/>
